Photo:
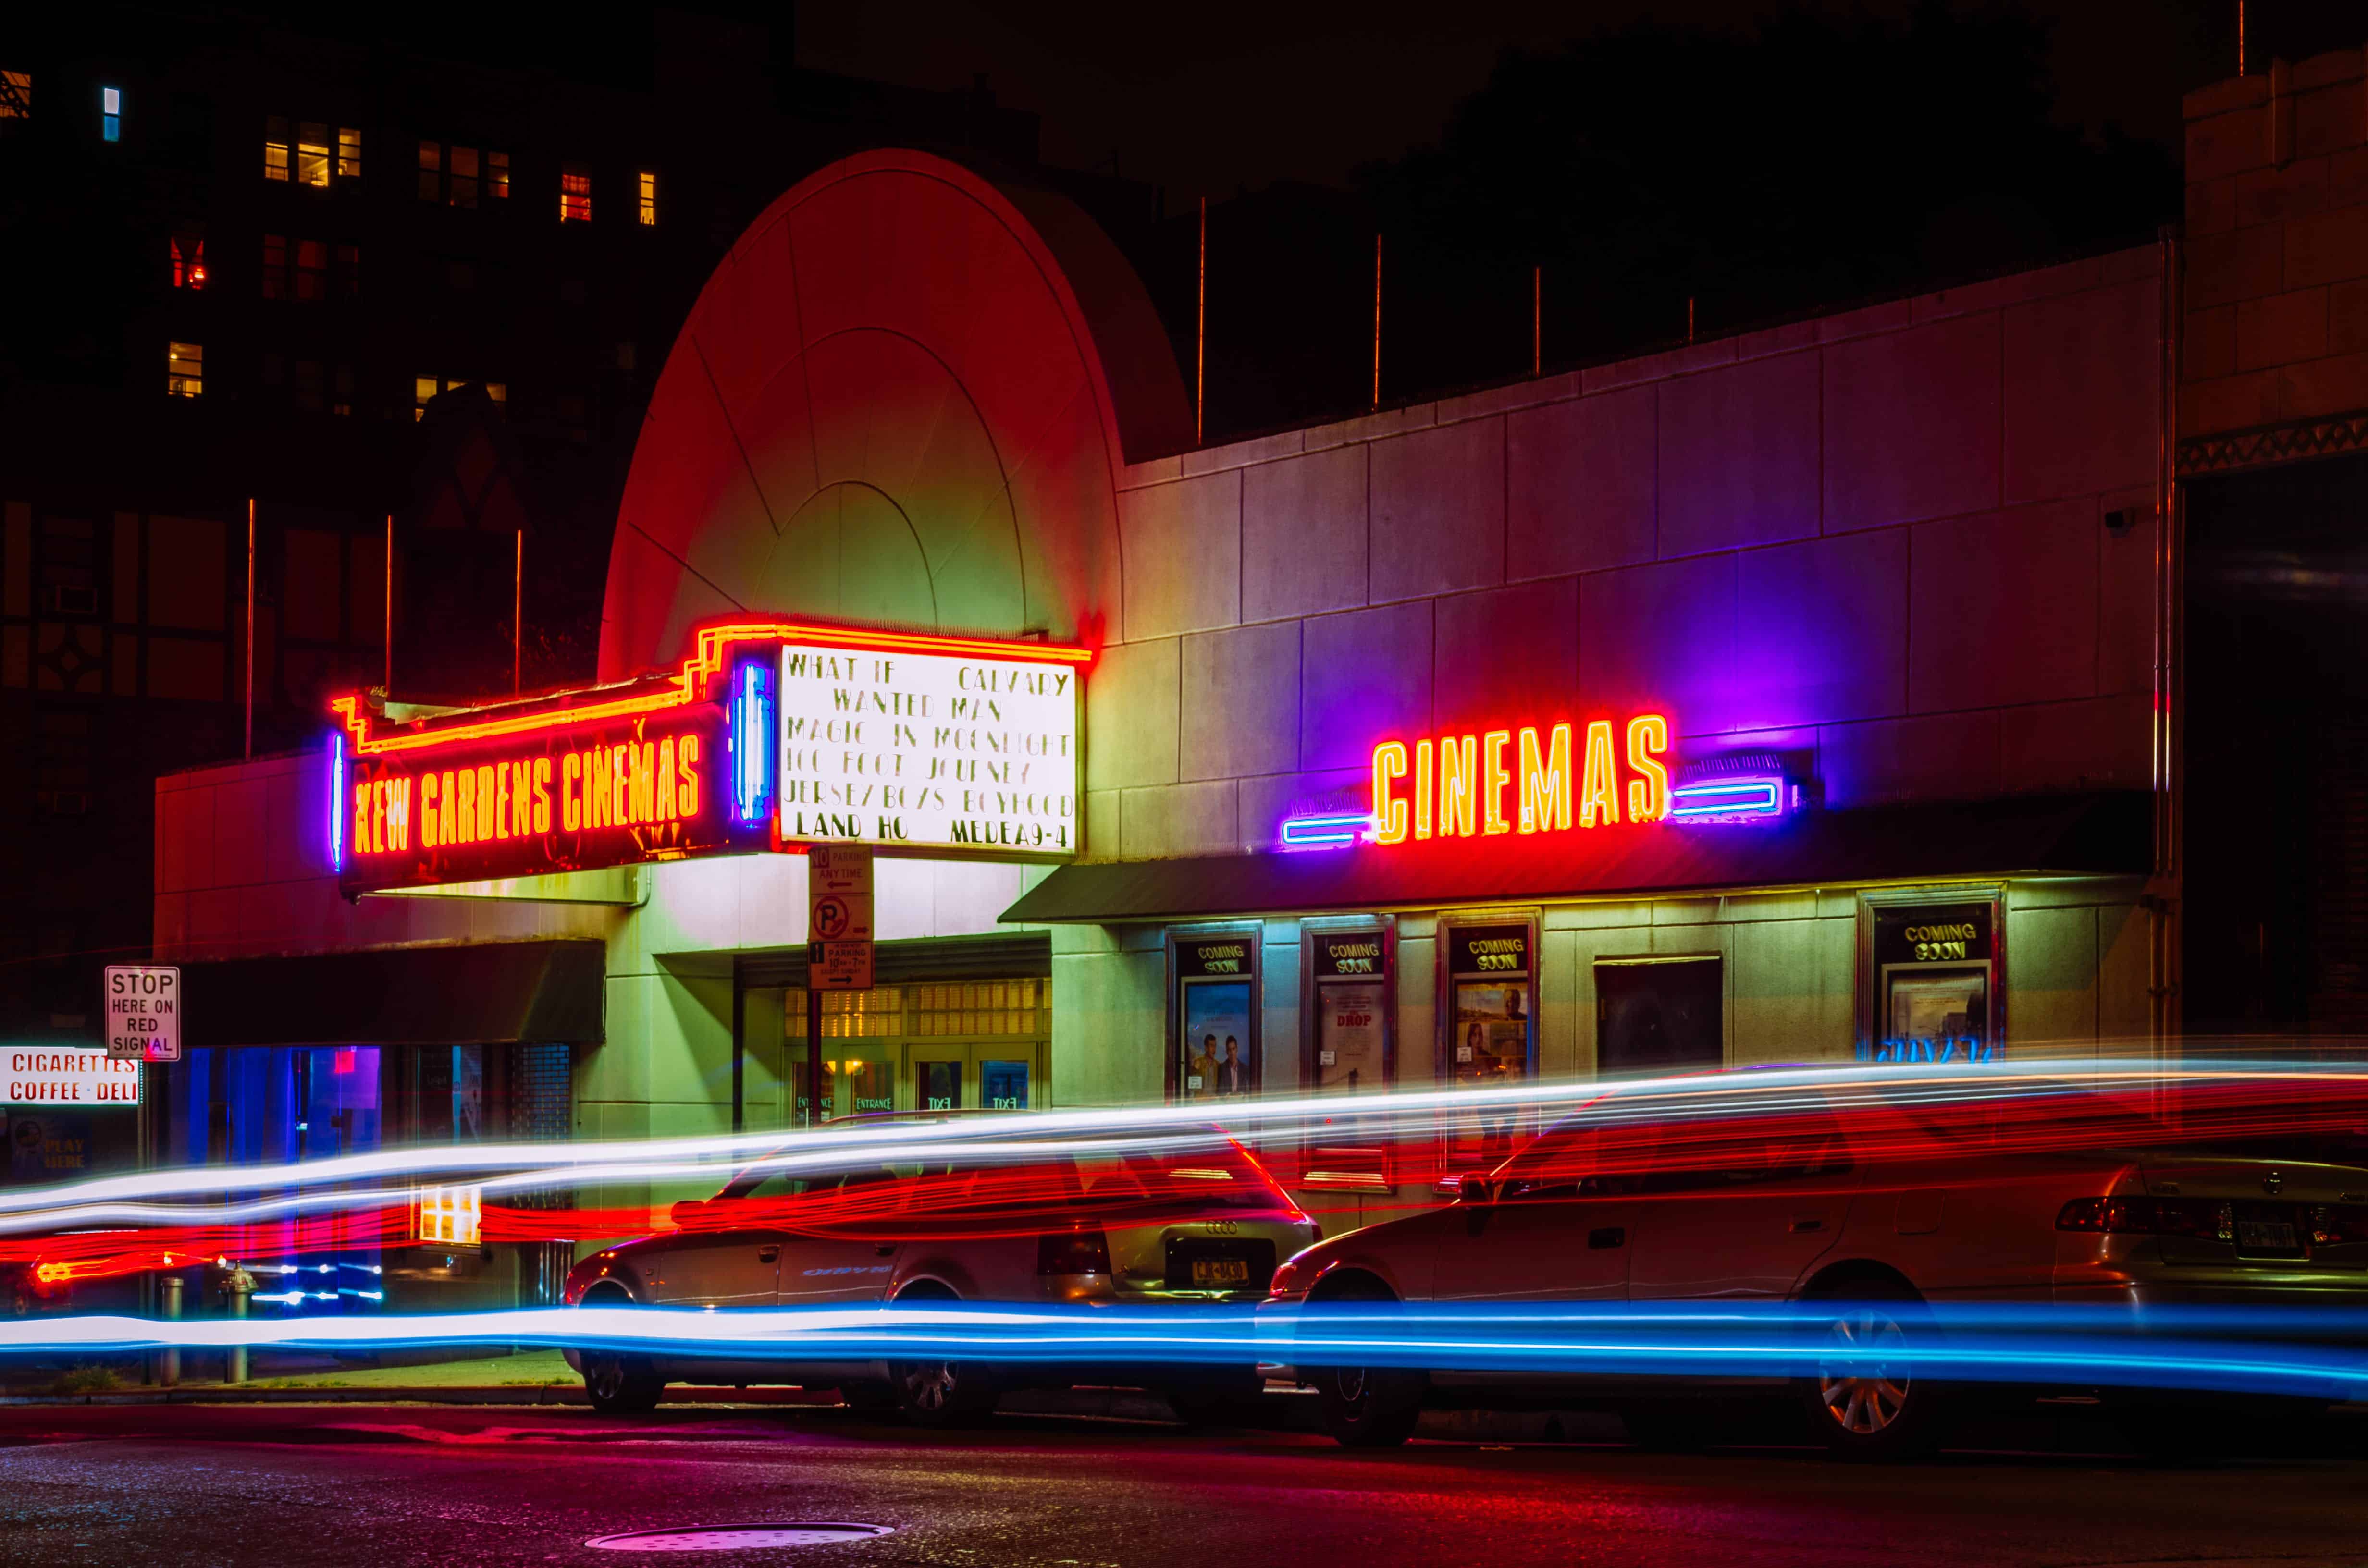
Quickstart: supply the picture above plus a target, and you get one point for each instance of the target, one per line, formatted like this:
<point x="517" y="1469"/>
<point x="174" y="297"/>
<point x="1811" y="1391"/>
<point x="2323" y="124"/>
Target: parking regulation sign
<point x="838" y="917"/>
<point x="144" y="1012"/>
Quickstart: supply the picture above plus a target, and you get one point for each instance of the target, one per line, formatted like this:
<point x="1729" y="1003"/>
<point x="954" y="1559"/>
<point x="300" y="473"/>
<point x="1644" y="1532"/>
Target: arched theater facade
<point x="1789" y="697"/>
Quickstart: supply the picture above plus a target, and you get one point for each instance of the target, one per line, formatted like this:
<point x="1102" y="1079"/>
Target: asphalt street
<point x="383" y="1485"/>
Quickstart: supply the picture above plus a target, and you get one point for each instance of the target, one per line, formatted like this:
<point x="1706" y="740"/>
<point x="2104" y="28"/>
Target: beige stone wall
<point x="1875" y="540"/>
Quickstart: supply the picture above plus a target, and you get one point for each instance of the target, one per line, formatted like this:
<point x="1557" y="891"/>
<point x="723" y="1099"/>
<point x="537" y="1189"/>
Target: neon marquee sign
<point x="693" y="760"/>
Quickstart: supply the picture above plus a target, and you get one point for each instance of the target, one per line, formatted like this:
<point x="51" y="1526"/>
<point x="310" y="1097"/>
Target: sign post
<point x="838" y="950"/>
<point x="144" y="1012"/>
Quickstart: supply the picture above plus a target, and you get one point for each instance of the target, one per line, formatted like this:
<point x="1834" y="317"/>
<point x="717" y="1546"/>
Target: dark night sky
<point x="1206" y="98"/>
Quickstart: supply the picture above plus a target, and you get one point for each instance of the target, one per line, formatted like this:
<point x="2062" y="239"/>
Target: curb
<point x="535" y="1394"/>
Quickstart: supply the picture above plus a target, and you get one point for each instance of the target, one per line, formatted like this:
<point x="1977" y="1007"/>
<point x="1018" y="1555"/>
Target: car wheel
<point x="940" y="1394"/>
<point x="620" y="1385"/>
<point x="943" y="1393"/>
<point x="1864" y="1398"/>
<point x="1366" y="1408"/>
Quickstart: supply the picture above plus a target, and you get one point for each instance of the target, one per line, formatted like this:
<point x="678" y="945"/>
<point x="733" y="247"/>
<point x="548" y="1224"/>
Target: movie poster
<point x="1219" y="1060"/>
<point x="1348" y="1036"/>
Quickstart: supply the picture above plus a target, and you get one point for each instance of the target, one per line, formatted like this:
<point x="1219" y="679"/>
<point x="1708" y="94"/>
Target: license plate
<point x="2265" y="1235"/>
<point x="1221" y="1271"/>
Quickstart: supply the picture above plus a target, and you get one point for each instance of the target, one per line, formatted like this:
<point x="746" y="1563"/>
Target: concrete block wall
<point x="1876" y="539"/>
<point x="241" y="858"/>
<point x="2276" y="286"/>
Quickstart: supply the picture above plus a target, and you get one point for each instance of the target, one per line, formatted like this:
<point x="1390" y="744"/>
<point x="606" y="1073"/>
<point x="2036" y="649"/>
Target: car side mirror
<point x="1475" y="1189"/>
<point x="688" y="1213"/>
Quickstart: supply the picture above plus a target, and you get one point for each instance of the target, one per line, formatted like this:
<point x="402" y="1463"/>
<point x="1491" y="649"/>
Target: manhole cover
<point x="737" y="1538"/>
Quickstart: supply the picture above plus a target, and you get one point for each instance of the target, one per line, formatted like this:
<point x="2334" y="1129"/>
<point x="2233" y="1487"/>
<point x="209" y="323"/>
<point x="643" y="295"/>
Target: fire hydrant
<point x="236" y="1284"/>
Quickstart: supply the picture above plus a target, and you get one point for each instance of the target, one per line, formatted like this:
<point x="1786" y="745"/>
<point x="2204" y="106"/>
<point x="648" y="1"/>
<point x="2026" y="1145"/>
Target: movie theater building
<point x="1782" y="698"/>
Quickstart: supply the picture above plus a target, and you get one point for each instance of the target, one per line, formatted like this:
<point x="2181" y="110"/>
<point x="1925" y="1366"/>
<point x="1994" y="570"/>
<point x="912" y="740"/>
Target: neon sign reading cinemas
<point x="562" y="799"/>
<point x="1529" y="780"/>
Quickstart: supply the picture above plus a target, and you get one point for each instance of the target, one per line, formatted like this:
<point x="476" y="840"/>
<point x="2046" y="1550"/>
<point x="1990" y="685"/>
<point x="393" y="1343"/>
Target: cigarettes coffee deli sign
<point x="44" y="1075"/>
<point x="770" y="735"/>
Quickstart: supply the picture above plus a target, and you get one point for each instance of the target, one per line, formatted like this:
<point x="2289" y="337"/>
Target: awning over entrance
<point x="540" y="993"/>
<point x="2108" y="832"/>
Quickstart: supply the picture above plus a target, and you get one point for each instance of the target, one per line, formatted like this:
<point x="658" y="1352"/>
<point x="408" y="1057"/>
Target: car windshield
<point x="1648" y="1150"/>
<point x="1004" y="1186"/>
<point x="1206" y="1171"/>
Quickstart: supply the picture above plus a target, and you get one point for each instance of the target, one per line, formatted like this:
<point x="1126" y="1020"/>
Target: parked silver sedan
<point x="1202" y="1223"/>
<point x="1863" y="1216"/>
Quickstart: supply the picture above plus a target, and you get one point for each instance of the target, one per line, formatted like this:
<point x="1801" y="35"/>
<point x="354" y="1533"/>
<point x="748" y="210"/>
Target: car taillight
<point x="2336" y="1225"/>
<point x="2149" y="1216"/>
<point x="1072" y="1252"/>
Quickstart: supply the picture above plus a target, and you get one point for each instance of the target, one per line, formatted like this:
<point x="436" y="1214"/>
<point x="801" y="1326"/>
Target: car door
<point x="714" y="1259"/>
<point x="1740" y="1212"/>
<point x="1555" y="1226"/>
<point x="835" y="1249"/>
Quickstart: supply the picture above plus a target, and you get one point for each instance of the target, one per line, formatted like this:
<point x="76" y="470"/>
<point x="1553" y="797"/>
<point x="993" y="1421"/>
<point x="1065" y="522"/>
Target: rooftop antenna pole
<point x="1377" y="322"/>
<point x="2241" y="37"/>
<point x="1200" y="339"/>
<point x="1689" y="318"/>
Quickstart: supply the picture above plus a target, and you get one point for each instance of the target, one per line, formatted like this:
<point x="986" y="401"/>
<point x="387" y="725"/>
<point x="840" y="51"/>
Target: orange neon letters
<point x="1494" y="778"/>
<point x="1422" y="796"/>
<point x="1545" y="784"/>
<point x="1601" y="788"/>
<point x="1458" y="758"/>
<point x="1648" y="792"/>
<point x="1389" y="812"/>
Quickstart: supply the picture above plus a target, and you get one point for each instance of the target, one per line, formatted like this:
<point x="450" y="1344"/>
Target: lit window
<point x="312" y="269"/>
<point x="275" y="147"/>
<point x="423" y="391"/>
<point x="498" y="175"/>
<point x="313" y="154"/>
<point x="499" y="391"/>
<point x="649" y="198"/>
<point x="453" y="1216"/>
<point x="110" y="114"/>
<point x="431" y="176"/>
<point x="575" y="194"/>
<point x="463" y="168"/>
<point x="185" y="369"/>
<point x="15" y="94"/>
<point x="275" y="267"/>
<point x="349" y="153"/>
<point x="348" y="273"/>
<point x="190" y="257"/>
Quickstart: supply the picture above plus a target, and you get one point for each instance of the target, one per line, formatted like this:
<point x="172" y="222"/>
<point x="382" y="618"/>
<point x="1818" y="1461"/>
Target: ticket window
<point x="1349" y="1042"/>
<point x="1212" y="1033"/>
<point x="1933" y="971"/>
<point x="1490" y="1033"/>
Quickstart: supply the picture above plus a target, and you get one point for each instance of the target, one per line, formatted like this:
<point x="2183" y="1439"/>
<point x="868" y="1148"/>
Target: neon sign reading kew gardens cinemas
<point x="1529" y="780"/>
<point x="768" y="734"/>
